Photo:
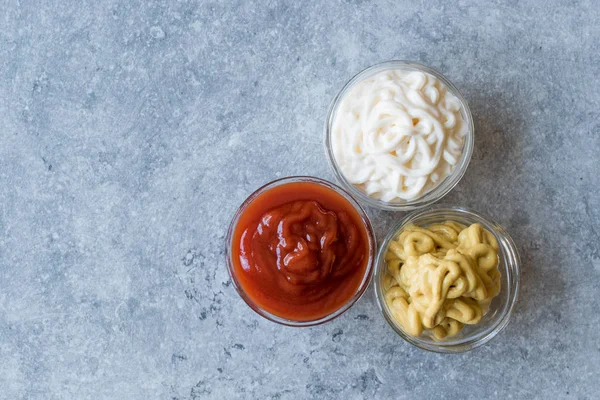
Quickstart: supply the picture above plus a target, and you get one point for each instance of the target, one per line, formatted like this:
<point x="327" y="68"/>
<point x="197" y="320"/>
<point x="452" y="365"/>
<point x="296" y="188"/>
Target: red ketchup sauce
<point x="300" y="251"/>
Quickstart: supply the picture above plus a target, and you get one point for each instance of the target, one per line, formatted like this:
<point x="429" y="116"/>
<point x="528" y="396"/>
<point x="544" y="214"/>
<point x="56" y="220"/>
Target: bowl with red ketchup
<point x="300" y="251"/>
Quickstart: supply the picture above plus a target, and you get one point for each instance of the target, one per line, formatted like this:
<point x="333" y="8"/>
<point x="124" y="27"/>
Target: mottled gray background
<point x="132" y="130"/>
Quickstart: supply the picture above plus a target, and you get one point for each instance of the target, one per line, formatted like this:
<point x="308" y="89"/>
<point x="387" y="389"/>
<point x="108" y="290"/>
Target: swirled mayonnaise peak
<point x="398" y="134"/>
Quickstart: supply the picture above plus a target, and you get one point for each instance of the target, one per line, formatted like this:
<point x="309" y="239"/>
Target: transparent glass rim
<point x="509" y="258"/>
<point x="368" y="271"/>
<point x="440" y="190"/>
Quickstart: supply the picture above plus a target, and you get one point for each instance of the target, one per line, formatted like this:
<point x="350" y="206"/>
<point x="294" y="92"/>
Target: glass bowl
<point x="501" y="307"/>
<point x="438" y="191"/>
<point x="366" y="279"/>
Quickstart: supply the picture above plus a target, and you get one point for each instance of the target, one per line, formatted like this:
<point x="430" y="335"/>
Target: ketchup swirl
<point x="308" y="243"/>
<point x="305" y="257"/>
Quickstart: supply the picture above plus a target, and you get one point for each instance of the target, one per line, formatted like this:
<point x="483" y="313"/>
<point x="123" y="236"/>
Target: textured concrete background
<point x="132" y="130"/>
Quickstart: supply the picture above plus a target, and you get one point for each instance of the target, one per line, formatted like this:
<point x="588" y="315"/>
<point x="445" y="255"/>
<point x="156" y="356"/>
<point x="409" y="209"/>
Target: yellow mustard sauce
<point x="441" y="277"/>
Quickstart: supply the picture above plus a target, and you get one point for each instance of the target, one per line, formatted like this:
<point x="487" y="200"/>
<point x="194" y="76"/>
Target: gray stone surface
<point x="132" y="130"/>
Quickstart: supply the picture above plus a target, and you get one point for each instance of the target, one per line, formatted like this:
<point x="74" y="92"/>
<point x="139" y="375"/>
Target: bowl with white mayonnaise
<point x="399" y="136"/>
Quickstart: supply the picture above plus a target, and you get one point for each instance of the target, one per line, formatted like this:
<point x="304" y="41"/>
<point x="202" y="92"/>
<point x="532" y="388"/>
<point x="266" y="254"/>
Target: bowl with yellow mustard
<point x="447" y="279"/>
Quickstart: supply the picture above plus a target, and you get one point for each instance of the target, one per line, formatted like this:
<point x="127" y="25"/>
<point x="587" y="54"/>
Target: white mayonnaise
<point x="398" y="134"/>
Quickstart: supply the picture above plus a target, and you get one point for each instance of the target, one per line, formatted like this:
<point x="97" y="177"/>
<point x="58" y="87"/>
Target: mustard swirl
<point x="441" y="277"/>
